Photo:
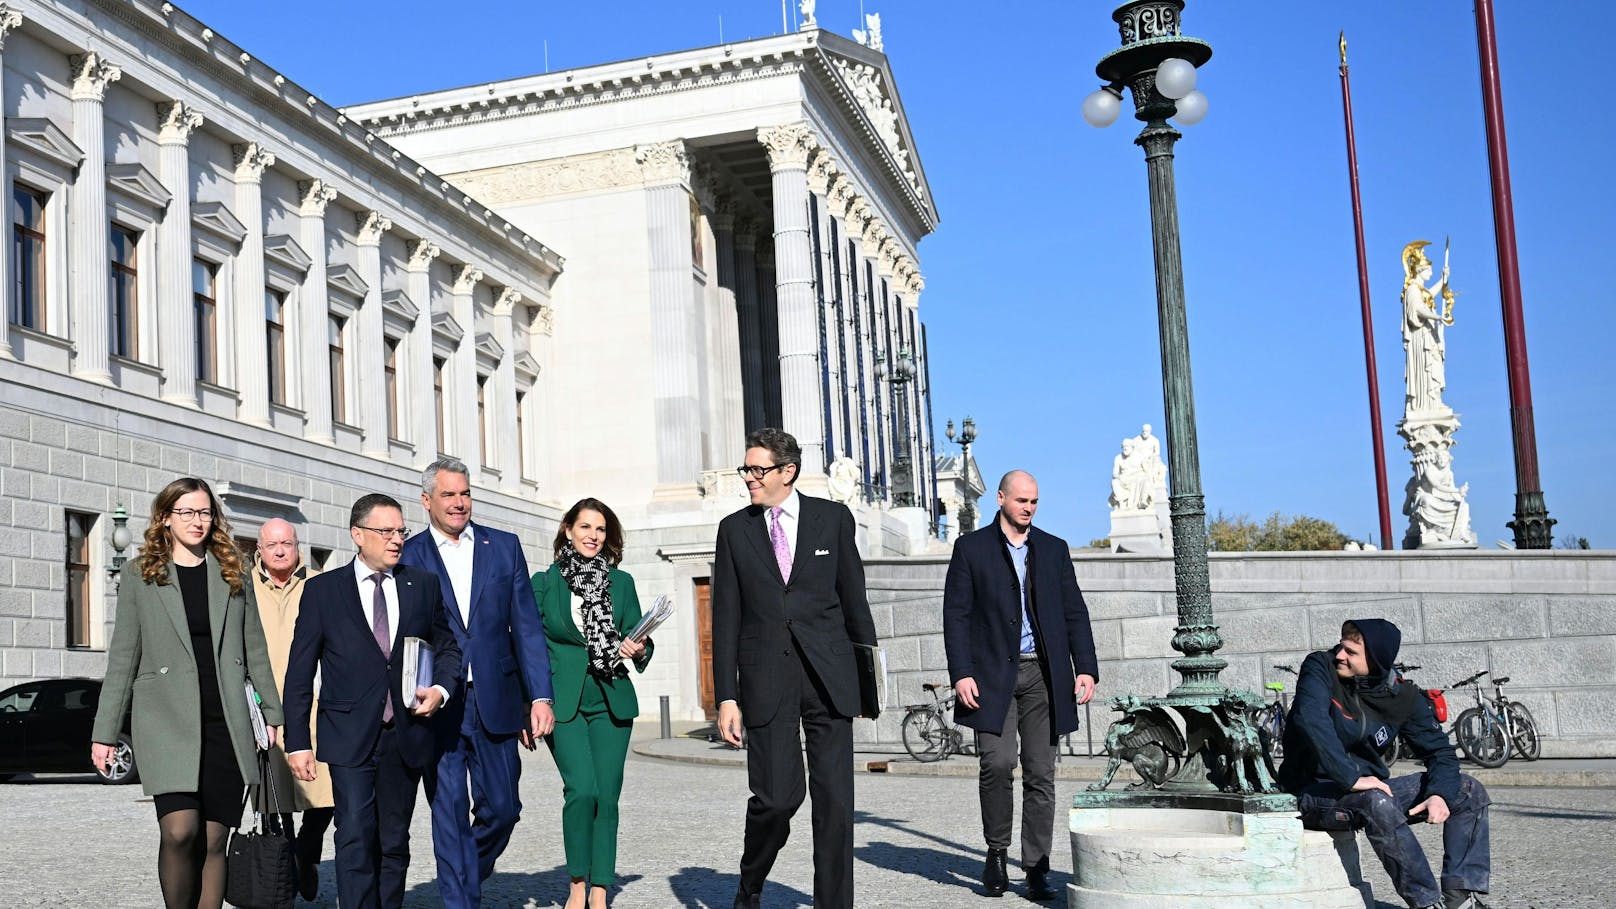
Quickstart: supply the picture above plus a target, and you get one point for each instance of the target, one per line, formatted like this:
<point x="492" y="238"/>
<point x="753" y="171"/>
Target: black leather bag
<point x="259" y="868"/>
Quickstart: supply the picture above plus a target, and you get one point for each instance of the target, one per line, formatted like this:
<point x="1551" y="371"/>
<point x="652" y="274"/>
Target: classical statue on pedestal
<point x="1132" y="488"/>
<point x="1425" y="350"/>
<point x="806" y="8"/>
<point x="843" y="483"/>
<point x="1437" y="510"/>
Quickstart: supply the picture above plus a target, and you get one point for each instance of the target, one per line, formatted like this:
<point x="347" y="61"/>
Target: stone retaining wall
<point x="1545" y="619"/>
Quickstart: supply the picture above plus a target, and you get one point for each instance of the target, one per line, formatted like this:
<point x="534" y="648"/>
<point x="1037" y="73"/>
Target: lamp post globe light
<point x="1215" y="733"/>
<point x="900" y="372"/>
<point x="967" y="435"/>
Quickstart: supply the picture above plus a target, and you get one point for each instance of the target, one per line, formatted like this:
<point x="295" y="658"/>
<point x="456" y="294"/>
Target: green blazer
<point x="569" y="658"/>
<point x="151" y="663"/>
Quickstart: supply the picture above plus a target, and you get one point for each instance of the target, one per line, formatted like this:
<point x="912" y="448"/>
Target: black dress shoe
<point x="1038" y="886"/>
<point x="744" y="900"/>
<point x="308" y="880"/>
<point x="996" y="873"/>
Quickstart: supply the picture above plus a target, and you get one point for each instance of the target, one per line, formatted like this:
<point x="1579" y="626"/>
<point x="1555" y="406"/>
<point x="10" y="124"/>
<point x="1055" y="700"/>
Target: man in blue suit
<point x="507" y="696"/>
<point x="352" y="627"/>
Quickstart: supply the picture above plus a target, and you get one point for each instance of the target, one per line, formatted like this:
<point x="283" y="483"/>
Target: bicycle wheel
<point x="1482" y="738"/>
<point x="1524" y="735"/>
<point x="1271" y="729"/>
<point x="925" y="736"/>
<point x="1393" y="751"/>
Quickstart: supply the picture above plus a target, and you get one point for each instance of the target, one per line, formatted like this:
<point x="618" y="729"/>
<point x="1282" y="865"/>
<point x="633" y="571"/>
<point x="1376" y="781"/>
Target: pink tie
<point x="782" y="549"/>
<point x="384" y="635"/>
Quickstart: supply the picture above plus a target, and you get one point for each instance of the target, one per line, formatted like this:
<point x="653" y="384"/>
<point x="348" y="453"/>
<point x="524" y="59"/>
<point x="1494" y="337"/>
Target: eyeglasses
<point x="402" y="533"/>
<point x="756" y="473"/>
<point x="187" y="515"/>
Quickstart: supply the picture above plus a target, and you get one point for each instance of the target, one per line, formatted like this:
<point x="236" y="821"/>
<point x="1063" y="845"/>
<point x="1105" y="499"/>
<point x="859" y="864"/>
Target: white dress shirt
<point x="367" y="598"/>
<point x="457" y="561"/>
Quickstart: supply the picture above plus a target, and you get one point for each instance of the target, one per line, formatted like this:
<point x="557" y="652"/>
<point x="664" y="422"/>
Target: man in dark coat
<point x="1021" y="657"/>
<point x="1350" y="702"/>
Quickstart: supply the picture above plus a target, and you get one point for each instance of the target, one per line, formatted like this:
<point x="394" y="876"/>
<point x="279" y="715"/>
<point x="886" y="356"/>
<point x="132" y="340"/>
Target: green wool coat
<point x="151" y="664"/>
<point x="569" y="658"/>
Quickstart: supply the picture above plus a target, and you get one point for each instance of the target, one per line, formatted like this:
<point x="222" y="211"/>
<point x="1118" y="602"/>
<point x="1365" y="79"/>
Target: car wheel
<point x="6" y="777"/>
<point x="123" y="764"/>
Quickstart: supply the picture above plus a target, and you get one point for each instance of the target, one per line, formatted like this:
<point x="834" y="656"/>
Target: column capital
<point x="746" y="232"/>
<point x="176" y="120"/>
<point x="841" y="194"/>
<point x="724" y="215"/>
<point x="91" y="75"/>
<point x="506" y="301"/>
<point x="313" y="196"/>
<point x="466" y="279"/>
<point x="422" y="252"/>
<point x="788" y="145"/>
<point x="371" y="225"/>
<point x="545" y="320"/>
<point x="821" y="167"/>
<point x="251" y="160"/>
<point x="875" y="233"/>
<point x="664" y="162"/>
<point x="10" y="21"/>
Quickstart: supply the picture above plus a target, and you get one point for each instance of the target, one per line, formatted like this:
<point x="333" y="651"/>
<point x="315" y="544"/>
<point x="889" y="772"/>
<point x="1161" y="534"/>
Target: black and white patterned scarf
<point x="590" y="579"/>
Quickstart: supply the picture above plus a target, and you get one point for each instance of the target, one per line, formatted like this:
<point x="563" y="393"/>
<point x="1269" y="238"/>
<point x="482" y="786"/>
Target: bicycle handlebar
<point x="1405" y="667"/>
<point x="1283" y="668"/>
<point x="1468" y="681"/>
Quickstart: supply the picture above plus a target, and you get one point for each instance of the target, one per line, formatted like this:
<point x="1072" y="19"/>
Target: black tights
<point x="190" y="860"/>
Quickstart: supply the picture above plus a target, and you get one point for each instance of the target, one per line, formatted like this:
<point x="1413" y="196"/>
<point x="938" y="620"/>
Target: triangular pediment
<point x="489" y="351"/>
<point x="445" y="328"/>
<point x="138" y="183"/>
<point x="45" y="139"/>
<point x="398" y="305"/>
<point x="526" y="366"/>
<point x="866" y="78"/>
<point x="345" y="279"/>
<point x="214" y="218"/>
<point x="285" y="252"/>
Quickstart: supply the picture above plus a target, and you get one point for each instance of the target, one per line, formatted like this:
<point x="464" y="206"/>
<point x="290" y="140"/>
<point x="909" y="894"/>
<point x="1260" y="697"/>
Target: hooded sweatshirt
<point x="1337" y="727"/>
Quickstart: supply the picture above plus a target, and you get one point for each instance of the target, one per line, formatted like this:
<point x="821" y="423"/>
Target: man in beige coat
<point x="278" y="576"/>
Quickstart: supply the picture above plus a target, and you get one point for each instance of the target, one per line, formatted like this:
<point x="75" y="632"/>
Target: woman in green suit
<point x="187" y="640"/>
<point x="589" y="607"/>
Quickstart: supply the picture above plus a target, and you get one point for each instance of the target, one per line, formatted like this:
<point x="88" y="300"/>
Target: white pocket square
<point x="820" y="552"/>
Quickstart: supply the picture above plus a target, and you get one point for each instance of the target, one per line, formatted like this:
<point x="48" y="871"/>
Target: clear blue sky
<point x="1040" y="298"/>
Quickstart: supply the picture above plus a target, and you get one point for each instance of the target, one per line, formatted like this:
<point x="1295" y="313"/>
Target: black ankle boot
<point x="1038" y="888"/>
<point x="996" y="873"/>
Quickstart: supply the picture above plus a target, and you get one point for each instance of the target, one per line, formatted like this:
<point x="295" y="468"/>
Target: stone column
<point x="769" y="321"/>
<point x="731" y="431"/>
<point x="675" y="380"/>
<point x="176" y="322"/>
<point x="87" y="256"/>
<point x="788" y="147"/>
<point x="252" y="357"/>
<point x="820" y="171"/>
<point x="313" y="300"/>
<point x="460" y="436"/>
<point x="840" y="195"/>
<point x="367" y="356"/>
<point x="749" y="323"/>
<point x="423" y="405"/>
<point x="10" y="20"/>
<point x="501" y="393"/>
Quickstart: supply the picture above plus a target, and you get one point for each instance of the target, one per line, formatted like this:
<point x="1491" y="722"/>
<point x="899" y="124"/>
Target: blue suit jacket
<point x="503" y="639"/>
<point x="982" y="624"/>
<point x="332" y="632"/>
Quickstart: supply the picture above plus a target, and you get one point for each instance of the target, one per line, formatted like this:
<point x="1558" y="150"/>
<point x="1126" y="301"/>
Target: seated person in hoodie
<point x="1349" y="704"/>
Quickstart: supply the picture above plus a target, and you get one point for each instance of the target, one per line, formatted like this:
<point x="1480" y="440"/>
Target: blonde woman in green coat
<point x="186" y="641"/>
<point x="589" y="607"/>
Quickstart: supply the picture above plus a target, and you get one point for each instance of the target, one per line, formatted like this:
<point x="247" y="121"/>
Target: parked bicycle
<point x="1492" y="728"/>
<point x="1397" y="748"/>
<point x="927" y="733"/>
<point x="1271" y="719"/>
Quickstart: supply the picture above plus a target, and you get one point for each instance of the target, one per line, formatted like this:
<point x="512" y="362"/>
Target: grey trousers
<point x="1029" y="720"/>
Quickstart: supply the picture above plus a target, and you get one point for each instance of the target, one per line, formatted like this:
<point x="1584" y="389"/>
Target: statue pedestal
<point x="1134" y="850"/>
<point x="1138" y="531"/>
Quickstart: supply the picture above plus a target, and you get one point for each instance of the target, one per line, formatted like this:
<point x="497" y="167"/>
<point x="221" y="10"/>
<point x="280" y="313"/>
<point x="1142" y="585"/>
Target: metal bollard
<point x="1088" y="725"/>
<point x="667" y="722"/>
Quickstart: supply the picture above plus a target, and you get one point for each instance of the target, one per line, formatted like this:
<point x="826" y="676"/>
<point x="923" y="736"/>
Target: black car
<point x="45" y="728"/>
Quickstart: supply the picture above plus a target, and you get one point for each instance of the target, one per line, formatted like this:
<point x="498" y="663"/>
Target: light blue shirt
<point x="1018" y="556"/>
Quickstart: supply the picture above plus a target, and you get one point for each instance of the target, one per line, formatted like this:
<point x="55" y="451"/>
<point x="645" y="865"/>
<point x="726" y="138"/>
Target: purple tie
<point x="383" y="634"/>
<point x="782" y="549"/>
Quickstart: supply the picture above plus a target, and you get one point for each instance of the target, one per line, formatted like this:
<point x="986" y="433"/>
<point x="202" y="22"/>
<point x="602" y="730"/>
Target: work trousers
<point x="1029" y="720"/>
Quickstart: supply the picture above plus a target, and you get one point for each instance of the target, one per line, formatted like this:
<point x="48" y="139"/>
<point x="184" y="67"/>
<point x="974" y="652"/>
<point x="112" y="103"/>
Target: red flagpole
<point x="1363" y="300"/>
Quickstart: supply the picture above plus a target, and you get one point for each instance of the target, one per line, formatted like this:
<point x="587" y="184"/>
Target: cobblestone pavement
<point x="69" y="842"/>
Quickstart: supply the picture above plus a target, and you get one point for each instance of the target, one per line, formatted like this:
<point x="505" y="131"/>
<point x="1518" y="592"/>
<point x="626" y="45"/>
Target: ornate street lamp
<point x="900" y="374"/>
<point x="1210" y="728"/>
<point x="121" y="538"/>
<point x="967" y="435"/>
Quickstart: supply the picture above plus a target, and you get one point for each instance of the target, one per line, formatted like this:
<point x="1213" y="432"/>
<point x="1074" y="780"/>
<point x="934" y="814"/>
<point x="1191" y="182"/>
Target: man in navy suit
<point x="351" y="628"/>
<point x="488" y="596"/>
<point x="1021" y="658"/>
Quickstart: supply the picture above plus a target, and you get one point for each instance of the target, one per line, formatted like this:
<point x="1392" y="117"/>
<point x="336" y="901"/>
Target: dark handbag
<point x="259" y="869"/>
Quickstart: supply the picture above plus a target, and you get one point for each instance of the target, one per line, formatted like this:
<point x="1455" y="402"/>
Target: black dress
<point x="218" y="795"/>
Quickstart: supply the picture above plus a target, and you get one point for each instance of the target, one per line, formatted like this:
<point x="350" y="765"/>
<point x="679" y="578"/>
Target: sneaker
<point x="1463" y="899"/>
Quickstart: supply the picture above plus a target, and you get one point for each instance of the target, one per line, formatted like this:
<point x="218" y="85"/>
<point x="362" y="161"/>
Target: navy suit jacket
<point x="503" y="641"/>
<point x="982" y="624"/>
<point x="333" y="632"/>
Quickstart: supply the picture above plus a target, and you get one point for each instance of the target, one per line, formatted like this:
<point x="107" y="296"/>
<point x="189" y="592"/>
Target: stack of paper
<point x="417" y="669"/>
<point x="653" y="618"/>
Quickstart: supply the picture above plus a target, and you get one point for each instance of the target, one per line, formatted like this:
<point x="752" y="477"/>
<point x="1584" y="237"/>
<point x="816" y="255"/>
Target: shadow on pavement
<point x="704" y="888"/>
<point x="898" y="824"/>
<point x="948" y="868"/>
<point x="513" y="888"/>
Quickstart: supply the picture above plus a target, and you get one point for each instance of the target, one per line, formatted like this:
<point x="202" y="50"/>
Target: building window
<point x="482" y="419"/>
<point x="28" y="258"/>
<point x="205" y="299"/>
<point x="275" y="337"/>
<point x="339" y="384"/>
<point x="79" y="528"/>
<point x="390" y="370"/>
<point x="122" y="292"/>
<point x="521" y="438"/>
<point x="437" y="399"/>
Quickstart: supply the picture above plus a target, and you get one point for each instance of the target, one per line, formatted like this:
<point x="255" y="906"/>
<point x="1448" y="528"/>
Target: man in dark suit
<point x="1015" y="630"/>
<point x="788" y="606"/>
<point x="351" y="626"/>
<point x="488" y="596"/>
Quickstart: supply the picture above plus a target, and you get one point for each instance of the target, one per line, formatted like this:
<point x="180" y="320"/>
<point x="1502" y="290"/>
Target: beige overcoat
<point x="277" y="610"/>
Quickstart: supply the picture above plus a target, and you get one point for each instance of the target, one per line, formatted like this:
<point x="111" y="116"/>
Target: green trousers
<point x="589" y="751"/>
